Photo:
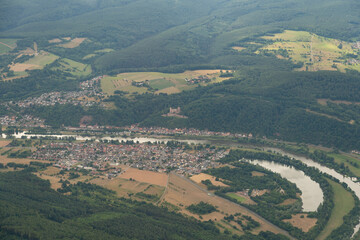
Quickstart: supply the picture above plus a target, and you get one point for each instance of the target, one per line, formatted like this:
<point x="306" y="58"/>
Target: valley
<point x="204" y="119"/>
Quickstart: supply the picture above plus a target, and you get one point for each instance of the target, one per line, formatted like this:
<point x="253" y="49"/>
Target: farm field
<point x="159" y="82"/>
<point x="302" y="221"/>
<point x="7" y="44"/>
<point x="183" y="192"/>
<point x="149" y="177"/>
<point x="343" y="203"/>
<point x="36" y="62"/>
<point x="203" y="176"/>
<point x="316" y="52"/>
<point x="75" y="68"/>
<point x="130" y="188"/>
<point x="73" y="43"/>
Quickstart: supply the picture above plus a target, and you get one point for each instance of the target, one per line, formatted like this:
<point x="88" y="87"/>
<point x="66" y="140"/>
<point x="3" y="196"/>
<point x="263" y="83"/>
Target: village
<point x="88" y="95"/>
<point x="107" y="159"/>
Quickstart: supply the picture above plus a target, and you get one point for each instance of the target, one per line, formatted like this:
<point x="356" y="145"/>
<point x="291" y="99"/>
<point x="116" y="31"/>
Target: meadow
<point x="7" y="44"/>
<point x="316" y="52"/>
<point x="75" y="68"/>
<point x="343" y="203"/>
<point x="168" y="83"/>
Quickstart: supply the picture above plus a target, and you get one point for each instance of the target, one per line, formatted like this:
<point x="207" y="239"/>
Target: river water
<point x="310" y="163"/>
<point x="135" y="139"/>
<point x="311" y="196"/>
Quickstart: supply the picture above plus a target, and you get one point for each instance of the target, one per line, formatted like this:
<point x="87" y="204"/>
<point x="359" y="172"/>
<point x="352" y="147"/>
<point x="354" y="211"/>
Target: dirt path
<point x="311" y="52"/>
<point x="7" y="45"/>
<point x="164" y="192"/>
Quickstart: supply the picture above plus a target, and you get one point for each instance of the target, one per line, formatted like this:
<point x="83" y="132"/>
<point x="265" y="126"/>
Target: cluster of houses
<point x="197" y="80"/>
<point x="22" y="121"/>
<point x="89" y="95"/>
<point x="356" y="45"/>
<point x="183" y="131"/>
<point x="101" y="158"/>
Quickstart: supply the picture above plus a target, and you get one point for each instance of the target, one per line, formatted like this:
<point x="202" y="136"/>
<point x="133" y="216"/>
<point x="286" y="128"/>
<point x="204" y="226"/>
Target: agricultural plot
<point x="316" y="52"/>
<point x="37" y="62"/>
<point x="182" y="192"/>
<point x="157" y="82"/>
<point x="73" y="43"/>
<point x="302" y="221"/>
<point x="74" y="68"/>
<point x="343" y="203"/>
<point x="203" y="176"/>
<point x="7" y="44"/>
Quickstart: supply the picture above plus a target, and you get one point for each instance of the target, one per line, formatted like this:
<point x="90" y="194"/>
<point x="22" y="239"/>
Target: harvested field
<point x="37" y="62"/>
<point x="145" y="176"/>
<point x="4" y="143"/>
<point x="202" y="176"/>
<point x="238" y="48"/>
<point x="183" y="192"/>
<point x="288" y="202"/>
<point x="125" y="188"/>
<point x="55" y="40"/>
<point x="302" y="221"/>
<point x="54" y="180"/>
<point x="5" y="160"/>
<point x="21" y="67"/>
<point x="257" y="174"/>
<point x="73" y="43"/>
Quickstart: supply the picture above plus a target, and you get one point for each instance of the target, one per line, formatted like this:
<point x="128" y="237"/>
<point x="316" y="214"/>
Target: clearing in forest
<point x="157" y="82"/>
<point x="37" y="62"/>
<point x="75" y="68"/>
<point x="73" y="43"/>
<point x="302" y="221"/>
<point x="203" y="176"/>
<point x="316" y="52"/>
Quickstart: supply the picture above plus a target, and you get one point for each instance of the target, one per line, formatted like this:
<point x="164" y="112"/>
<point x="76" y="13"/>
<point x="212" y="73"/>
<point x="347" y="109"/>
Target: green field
<point x="316" y="52"/>
<point x="347" y="160"/>
<point x="42" y="59"/>
<point x="236" y="197"/>
<point x="75" y="68"/>
<point x="7" y="41"/>
<point x="343" y="203"/>
<point x="161" y="82"/>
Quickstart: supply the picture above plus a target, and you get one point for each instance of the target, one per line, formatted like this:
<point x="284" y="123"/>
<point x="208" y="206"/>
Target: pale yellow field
<point x="37" y="62"/>
<point x="145" y="176"/>
<point x="304" y="223"/>
<point x="203" y="176"/>
<point x="73" y="43"/>
<point x="161" y="82"/>
<point x="316" y="52"/>
<point x="183" y="193"/>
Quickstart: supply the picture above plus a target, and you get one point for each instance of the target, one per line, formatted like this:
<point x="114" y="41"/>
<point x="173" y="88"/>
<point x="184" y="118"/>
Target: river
<point x="310" y="163"/>
<point x="312" y="195"/>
